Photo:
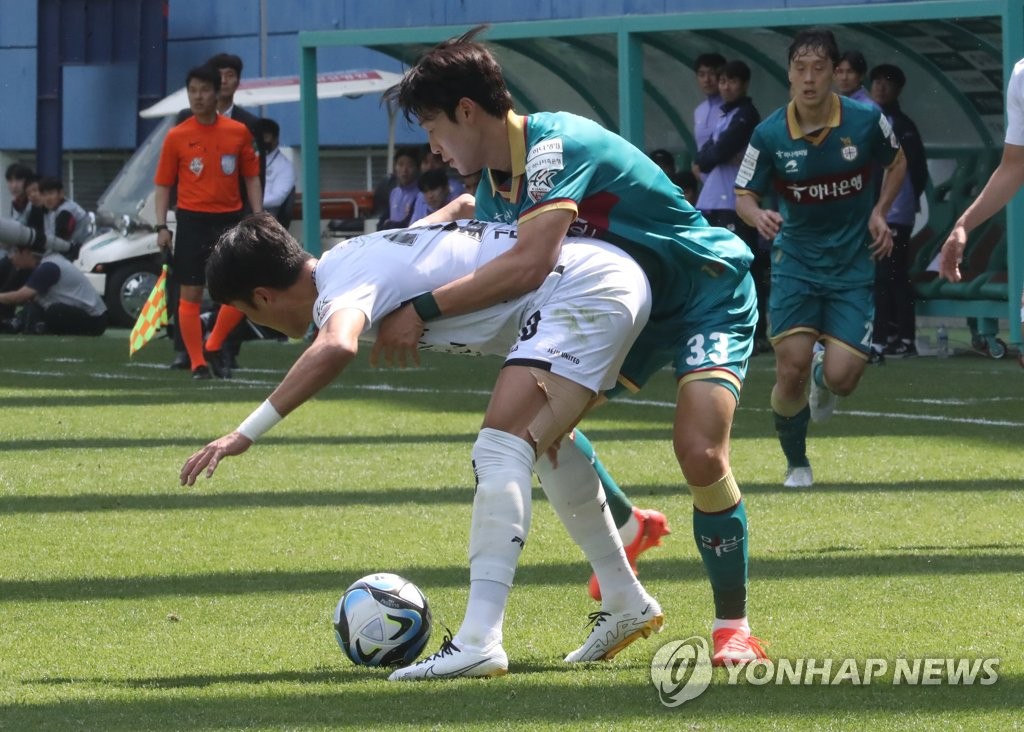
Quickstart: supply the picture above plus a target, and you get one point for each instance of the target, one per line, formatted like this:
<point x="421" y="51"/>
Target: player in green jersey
<point x="818" y="153"/>
<point x="555" y="173"/>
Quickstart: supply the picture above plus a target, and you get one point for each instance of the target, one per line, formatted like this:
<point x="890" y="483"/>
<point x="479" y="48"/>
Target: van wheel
<point x="128" y="287"/>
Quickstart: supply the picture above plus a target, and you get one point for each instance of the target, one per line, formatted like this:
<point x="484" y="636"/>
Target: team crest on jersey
<point x="849" y="150"/>
<point x="196" y="166"/>
<point x="227" y="163"/>
<point x="543" y="161"/>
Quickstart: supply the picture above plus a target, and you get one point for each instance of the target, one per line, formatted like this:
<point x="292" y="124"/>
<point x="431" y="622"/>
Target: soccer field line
<point x="391" y="388"/>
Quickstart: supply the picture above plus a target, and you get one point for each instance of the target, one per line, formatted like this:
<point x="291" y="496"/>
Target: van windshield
<point x="128" y="192"/>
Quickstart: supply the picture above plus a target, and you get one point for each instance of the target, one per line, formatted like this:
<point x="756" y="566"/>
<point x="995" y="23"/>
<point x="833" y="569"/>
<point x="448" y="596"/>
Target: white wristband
<point x="262" y="419"/>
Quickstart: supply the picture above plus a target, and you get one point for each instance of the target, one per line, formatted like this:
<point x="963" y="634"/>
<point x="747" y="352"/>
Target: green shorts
<point x="710" y="339"/>
<point x="844" y="314"/>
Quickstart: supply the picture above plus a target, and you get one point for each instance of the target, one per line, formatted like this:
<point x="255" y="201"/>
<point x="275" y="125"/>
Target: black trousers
<point x="760" y="268"/>
<point x="895" y="315"/>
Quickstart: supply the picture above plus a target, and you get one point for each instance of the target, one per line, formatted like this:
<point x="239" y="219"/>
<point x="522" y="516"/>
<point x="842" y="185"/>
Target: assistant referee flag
<point x="153" y="316"/>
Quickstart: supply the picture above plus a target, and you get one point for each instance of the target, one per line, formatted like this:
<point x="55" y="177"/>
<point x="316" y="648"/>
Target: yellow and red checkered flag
<point x="153" y="316"/>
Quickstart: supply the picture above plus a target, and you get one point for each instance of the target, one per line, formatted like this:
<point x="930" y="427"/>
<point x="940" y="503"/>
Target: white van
<point x="122" y="261"/>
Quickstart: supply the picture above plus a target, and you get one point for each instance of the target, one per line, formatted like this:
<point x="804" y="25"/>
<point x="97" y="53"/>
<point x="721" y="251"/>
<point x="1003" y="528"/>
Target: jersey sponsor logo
<point x="849" y="150"/>
<point x="404" y="237"/>
<point x="790" y="166"/>
<point x="825" y="188"/>
<point x="543" y="161"/>
<point x="747" y="167"/>
<point x="787" y="154"/>
<point x="196" y="166"/>
<point x="228" y="163"/>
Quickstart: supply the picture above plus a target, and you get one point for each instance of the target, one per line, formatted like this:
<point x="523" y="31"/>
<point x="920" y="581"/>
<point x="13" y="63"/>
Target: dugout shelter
<point x="633" y="74"/>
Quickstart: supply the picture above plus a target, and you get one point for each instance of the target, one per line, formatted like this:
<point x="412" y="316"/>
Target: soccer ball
<point x="382" y="620"/>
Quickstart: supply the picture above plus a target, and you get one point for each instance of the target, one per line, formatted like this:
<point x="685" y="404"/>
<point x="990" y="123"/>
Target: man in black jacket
<point x="894" y="327"/>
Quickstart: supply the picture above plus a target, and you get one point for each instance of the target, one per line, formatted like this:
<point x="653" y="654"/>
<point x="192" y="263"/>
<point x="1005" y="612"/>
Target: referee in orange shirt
<point x="205" y="156"/>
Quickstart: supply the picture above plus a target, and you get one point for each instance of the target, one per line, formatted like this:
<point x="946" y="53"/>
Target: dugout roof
<point x="634" y="73"/>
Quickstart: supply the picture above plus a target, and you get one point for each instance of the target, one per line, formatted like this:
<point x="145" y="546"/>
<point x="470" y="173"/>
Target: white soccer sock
<point x="736" y="623"/>
<point x="575" y="493"/>
<point x="629" y="530"/>
<point x="501" y="520"/>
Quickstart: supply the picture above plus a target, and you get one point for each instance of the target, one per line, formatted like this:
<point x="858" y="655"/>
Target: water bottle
<point x="941" y="342"/>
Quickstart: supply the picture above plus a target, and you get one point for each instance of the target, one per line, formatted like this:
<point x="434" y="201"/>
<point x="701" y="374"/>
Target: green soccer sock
<point x="792" y="432"/>
<point x="722" y="542"/>
<point x="618" y="503"/>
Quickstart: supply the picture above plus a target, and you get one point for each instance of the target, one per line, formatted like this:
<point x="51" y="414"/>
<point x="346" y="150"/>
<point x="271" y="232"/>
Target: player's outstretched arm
<point x="334" y="348"/>
<point x="1006" y="180"/>
<point x="461" y="207"/>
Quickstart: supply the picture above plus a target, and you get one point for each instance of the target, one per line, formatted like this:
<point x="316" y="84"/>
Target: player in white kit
<point x="563" y="344"/>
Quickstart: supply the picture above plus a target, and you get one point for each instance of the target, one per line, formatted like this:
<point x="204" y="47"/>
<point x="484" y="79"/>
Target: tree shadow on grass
<point x="893" y="563"/>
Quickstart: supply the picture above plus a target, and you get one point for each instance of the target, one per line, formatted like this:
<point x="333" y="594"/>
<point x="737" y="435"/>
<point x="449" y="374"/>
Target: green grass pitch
<point x="129" y="602"/>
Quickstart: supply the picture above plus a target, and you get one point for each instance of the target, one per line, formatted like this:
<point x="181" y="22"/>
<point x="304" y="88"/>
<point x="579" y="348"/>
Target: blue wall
<point x="100" y="94"/>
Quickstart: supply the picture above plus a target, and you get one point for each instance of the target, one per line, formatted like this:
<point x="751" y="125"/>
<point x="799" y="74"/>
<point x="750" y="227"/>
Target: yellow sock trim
<point x="720" y="496"/>
<point x="787" y="408"/>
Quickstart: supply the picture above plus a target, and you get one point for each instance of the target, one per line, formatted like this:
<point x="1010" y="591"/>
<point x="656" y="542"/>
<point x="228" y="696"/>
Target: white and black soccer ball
<point x="382" y="620"/>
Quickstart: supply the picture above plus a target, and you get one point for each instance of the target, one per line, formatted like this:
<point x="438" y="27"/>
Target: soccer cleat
<point x="735" y="645"/>
<point x="801" y="477"/>
<point x="453" y="662"/>
<point x="901" y="349"/>
<point x="653" y="526"/>
<point x="822" y="401"/>
<point x="181" y="361"/>
<point x="201" y="373"/>
<point x="220" y="362"/>
<point x="876" y="358"/>
<point x="611" y="632"/>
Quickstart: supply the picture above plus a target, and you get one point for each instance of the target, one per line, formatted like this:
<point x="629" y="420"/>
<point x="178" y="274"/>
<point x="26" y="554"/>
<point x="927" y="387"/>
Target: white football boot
<point x="799" y="478"/>
<point x="454" y="662"/>
<point x="611" y="632"/>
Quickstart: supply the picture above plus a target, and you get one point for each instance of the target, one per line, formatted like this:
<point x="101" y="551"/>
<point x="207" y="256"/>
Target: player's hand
<point x="952" y="254"/>
<point x="210" y="456"/>
<point x="768" y="223"/>
<point x="164" y="238"/>
<point x="398" y="338"/>
<point x="881" y="237"/>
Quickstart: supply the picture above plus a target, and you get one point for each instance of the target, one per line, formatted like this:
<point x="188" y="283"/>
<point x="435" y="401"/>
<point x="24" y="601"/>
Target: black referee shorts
<point x="194" y="238"/>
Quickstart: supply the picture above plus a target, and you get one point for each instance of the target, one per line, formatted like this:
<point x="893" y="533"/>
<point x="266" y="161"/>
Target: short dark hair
<point x="815" y="39"/>
<point x="453" y="69"/>
<point x="265" y="125"/>
<point x="710" y="60"/>
<point x="735" y="70"/>
<point x="892" y="72"/>
<point x="663" y="158"/>
<point x="50" y="183"/>
<point x="258" y="252"/>
<point x="407" y="151"/>
<point x="18" y="171"/>
<point x="432" y="179"/>
<point x="206" y="73"/>
<point x="226" y="61"/>
<point x="856" y="60"/>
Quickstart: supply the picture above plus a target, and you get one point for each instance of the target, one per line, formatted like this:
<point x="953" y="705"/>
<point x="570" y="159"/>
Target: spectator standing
<point x="895" y="317"/>
<point x="402" y="197"/>
<point x="206" y="156"/>
<point x="1005" y="181"/>
<point x="279" y="194"/>
<point x="849" y="77"/>
<point x="719" y="162"/>
<point x="705" y="116"/>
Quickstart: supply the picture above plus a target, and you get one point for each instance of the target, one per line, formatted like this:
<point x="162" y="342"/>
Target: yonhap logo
<point x="681" y="670"/>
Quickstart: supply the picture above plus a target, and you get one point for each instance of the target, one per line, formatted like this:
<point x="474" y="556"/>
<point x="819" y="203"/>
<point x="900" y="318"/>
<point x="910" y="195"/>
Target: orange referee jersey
<point x="206" y="161"/>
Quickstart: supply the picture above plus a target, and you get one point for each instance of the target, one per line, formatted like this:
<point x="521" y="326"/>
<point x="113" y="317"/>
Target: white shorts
<point x="579" y="323"/>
